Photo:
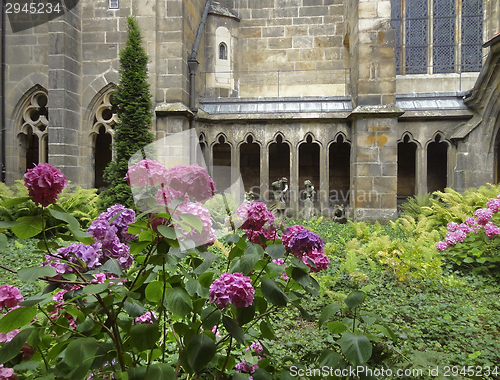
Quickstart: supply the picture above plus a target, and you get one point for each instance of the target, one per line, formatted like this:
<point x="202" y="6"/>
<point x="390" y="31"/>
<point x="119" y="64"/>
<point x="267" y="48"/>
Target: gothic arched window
<point x="222" y="51"/>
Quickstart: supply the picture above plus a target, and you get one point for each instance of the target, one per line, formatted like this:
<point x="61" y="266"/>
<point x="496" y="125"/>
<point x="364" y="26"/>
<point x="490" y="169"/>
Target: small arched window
<point x="222" y="51"/>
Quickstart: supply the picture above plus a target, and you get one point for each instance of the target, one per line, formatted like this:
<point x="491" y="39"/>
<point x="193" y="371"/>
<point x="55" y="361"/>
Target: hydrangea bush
<point x="142" y="298"/>
<point x="475" y="240"/>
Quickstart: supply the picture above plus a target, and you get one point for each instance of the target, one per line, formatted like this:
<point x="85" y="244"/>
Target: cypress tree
<point x="132" y="132"/>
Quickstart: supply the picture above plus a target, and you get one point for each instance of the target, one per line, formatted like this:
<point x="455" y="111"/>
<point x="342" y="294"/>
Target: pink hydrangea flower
<point x="10" y="296"/>
<point x="146" y="173"/>
<point x="318" y="258"/>
<point x="256" y="346"/>
<point x="167" y="194"/>
<point x="192" y="180"/>
<point x="452" y="227"/>
<point x="493" y="204"/>
<point x="491" y="230"/>
<point x="244" y="367"/>
<point x="44" y="183"/>
<point x="146" y="318"/>
<point x="204" y="237"/>
<point x="442" y="245"/>
<point x="4" y="338"/>
<point x="254" y="215"/>
<point x="483" y="215"/>
<point x="7" y="373"/>
<point x="455" y="237"/>
<point x="470" y="221"/>
<point x="232" y="288"/>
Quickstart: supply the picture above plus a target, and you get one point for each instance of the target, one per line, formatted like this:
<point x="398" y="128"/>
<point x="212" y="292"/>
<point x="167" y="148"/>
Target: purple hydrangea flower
<point x="299" y="240"/>
<point x="71" y="255"/>
<point x="102" y="231"/>
<point x="120" y="217"/>
<point x="234" y="288"/>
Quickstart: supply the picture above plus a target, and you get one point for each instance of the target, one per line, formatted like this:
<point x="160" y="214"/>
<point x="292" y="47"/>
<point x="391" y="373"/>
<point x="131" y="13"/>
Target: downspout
<point x="2" y="93"/>
<point x="192" y="62"/>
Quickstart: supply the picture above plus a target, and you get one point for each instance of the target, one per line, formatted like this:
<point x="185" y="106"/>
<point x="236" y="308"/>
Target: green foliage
<point x="220" y="206"/>
<point x="133" y="130"/>
<point x="413" y="205"/>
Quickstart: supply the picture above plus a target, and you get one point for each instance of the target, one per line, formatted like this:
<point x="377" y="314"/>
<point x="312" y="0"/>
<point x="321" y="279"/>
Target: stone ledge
<point x="173" y="108"/>
<point x="382" y="111"/>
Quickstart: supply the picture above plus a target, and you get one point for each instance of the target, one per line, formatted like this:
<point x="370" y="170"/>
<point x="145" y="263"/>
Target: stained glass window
<point x="472" y="34"/>
<point x="443" y="36"/>
<point x="416" y="37"/>
<point x="426" y="35"/>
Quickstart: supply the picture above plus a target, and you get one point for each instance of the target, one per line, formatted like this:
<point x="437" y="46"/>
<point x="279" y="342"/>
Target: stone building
<point x="371" y="100"/>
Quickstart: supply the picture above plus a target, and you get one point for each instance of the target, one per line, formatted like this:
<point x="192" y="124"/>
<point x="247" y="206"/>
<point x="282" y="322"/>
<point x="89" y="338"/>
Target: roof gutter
<point x="192" y="62"/>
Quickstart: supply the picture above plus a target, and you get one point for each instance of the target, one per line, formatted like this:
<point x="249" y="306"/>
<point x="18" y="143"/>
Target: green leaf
<point x="356" y="348"/>
<point x="193" y="221"/>
<point x="112" y="266"/>
<point x="205" y="279"/>
<point x="336" y="327"/>
<point x="469" y="260"/>
<point x="32" y="365"/>
<point x="3" y="242"/>
<point x="5" y="225"/>
<point x="65" y="217"/>
<point x="179" y="302"/>
<point x="200" y="351"/>
<point x="30" y="226"/>
<point x="15" y="201"/>
<point x="154" y="291"/>
<point x="354" y="299"/>
<point x="17" y="318"/>
<point x="95" y="288"/>
<point x="232" y="239"/>
<point x="330" y="359"/>
<point x="208" y="259"/>
<point x="11" y="349"/>
<point x="300" y="276"/>
<point x="245" y="264"/>
<point x="143" y="336"/>
<point x="245" y="314"/>
<point x="137" y="247"/>
<point x="158" y="371"/>
<point x="232" y="328"/>
<point x="276" y="251"/>
<point x="386" y="330"/>
<point x="272" y="292"/>
<point x="328" y="312"/>
<point x="266" y="330"/>
<point x="80" y="350"/>
<point x="210" y="317"/>
<point x="34" y="273"/>
<point x="168" y="232"/>
<point x="134" y="309"/>
<point x="261" y="374"/>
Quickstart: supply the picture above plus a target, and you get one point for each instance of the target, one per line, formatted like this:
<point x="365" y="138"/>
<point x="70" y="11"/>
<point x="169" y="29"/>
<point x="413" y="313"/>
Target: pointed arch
<point x="249" y="151"/>
<point x="100" y="120"/>
<point x="31" y="118"/>
<point x="309" y="162"/>
<point x="221" y="162"/>
<point x="407" y="167"/>
<point x="437" y="162"/>
<point x="279" y="150"/>
<point x="339" y="160"/>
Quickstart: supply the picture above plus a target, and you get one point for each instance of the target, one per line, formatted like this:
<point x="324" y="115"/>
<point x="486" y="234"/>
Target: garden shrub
<point x="135" y="299"/>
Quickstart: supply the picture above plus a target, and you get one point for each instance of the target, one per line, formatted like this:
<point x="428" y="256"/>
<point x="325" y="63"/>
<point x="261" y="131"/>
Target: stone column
<point x="374" y="163"/>
<point x="293" y="181"/>
<point x="324" y="178"/>
<point x="235" y="167"/>
<point x="264" y="173"/>
<point x="421" y="174"/>
<point x="64" y="93"/>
